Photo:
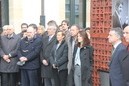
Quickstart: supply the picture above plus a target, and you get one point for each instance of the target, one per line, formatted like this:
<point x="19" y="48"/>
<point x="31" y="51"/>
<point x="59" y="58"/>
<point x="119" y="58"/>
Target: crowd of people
<point x="61" y="55"/>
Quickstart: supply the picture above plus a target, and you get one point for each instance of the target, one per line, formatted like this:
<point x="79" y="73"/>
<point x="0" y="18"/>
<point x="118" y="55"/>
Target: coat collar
<point x="31" y="40"/>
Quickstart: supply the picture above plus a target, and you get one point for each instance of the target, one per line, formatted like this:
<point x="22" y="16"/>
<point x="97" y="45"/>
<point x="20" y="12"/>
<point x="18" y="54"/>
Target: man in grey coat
<point x="8" y="53"/>
<point x="71" y="42"/>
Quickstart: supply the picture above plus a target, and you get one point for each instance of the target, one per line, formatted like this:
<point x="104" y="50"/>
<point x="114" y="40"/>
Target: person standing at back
<point x="65" y="28"/>
<point x="24" y="27"/>
<point x="115" y="65"/>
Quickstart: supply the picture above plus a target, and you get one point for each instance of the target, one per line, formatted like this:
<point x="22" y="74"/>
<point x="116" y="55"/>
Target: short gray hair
<point x="53" y="24"/>
<point x="118" y="31"/>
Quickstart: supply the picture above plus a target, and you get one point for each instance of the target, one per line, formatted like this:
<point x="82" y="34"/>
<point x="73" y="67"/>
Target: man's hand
<point x="45" y="62"/>
<point x="23" y="59"/>
<point x="6" y="58"/>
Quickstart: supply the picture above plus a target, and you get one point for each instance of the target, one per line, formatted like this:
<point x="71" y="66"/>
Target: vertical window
<point x="72" y="11"/>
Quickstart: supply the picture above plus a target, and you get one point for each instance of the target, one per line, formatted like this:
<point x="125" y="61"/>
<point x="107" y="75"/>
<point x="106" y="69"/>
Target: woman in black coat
<point x="59" y="60"/>
<point x="82" y="57"/>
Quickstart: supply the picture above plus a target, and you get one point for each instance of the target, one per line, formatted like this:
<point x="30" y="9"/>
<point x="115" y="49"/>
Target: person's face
<point x="24" y="34"/>
<point x="112" y="37"/>
<point x="60" y="27"/>
<point x="51" y="30"/>
<point x="59" y="36"/>
<point x="80" y="38"/>
<point x="126" y="34"/>
<point x="23" y="27"/>
<point x="74" y="31"/>
<point x="40" y="31"/>
<point x="64" y="26"/>
<point x="9" y="31"/>
<point x="120" y="8"/>
<point x="30" y="32"/>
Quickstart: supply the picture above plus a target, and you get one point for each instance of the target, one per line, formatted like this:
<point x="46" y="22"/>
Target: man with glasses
<point x="24" y="27"/>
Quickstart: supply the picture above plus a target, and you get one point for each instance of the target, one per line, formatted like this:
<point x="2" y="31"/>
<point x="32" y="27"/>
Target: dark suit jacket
<point x="124" y="60"/>
<point x="46" y="71"/>
<point x="115" y="67"/>
<point x="31" y="50"/>
<point x="59" y="57"/>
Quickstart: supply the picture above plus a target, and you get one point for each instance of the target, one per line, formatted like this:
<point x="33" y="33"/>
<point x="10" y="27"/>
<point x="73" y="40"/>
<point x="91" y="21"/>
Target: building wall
<point x="88" y="13"/>
<point x="54" y="10"/>
<point x="29" y="11"/>
<point x="20" y="11"/>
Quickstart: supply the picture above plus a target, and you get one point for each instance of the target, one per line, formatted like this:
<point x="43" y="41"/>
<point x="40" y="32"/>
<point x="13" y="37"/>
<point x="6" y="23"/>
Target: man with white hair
<point x="4" y="32"/>
<point x="8" y="53"/>
<point x="47" y="45"/>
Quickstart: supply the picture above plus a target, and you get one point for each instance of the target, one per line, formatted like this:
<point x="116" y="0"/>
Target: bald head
<point x="126" y="33"/>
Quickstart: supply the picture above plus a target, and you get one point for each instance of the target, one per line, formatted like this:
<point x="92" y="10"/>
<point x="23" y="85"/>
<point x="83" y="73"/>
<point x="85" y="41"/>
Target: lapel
<point x="115" y="52"/>
<point x="124" y="55"/>
<point x="52" y="39"/>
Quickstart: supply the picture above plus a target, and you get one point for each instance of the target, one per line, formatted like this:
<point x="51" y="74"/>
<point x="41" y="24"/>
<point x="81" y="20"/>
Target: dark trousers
<point x="8" y="79"/>
<point x="49" y="82"/>
<point x="60" y="77"/>
<point x="29" y="77"/>
<point x="18" y="78"/>
<point x="70" y="79"/>
<point x="40" y="78"/>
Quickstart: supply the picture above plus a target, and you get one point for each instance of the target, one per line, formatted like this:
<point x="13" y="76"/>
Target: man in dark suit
<point x="125" y="55"/>
<point x="48" y="42"/>
<point x="115" y="66"/>
<point x="29" y="54"/>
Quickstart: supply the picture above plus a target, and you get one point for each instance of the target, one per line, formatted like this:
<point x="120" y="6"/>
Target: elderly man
<point x="8" y="53"/>
<point x="125" y="56"/>
<point x="28" y="54"/>
<point x="4" y="32"/>
<point x="48" y="43"/>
